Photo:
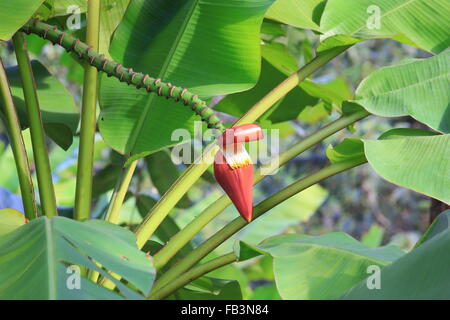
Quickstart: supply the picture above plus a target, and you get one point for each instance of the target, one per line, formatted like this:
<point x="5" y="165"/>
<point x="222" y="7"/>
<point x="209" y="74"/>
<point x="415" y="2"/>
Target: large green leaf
<point x="418" y="163"/>
<point x="424" y="23"/>
<point x="420" y="274"/>
<point x="419" y="88"/>
<point x="35" y="258"/>
<point x="299" y="13"/>
<point x="210" y="47"/>
<point x="58" y="110"/>
<point x="320" y="267"/>
<point x="14" y="14"/>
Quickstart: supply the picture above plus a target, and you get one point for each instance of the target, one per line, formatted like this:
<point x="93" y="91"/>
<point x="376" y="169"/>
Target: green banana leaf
<point x="419" y="88"/>
<point x="422" y="23"/>
<point x="420" y="274"/>
<point x="420" y="163"/>
<point x="39" y="258"/>
<point x="318" y="267"/>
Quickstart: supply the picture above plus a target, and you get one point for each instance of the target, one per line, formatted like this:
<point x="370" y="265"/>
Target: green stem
<point x="193" y="274"/>
<point x="162" y="208"/>
<point x="18" y="147"/>
<point x="194" y="171"/>
<point x="237" y="224"/>
<point x="120" y="190"/>
<point x="40" y="152"/>
<point x="83" y="193"/>
<point x="180" y="239"/>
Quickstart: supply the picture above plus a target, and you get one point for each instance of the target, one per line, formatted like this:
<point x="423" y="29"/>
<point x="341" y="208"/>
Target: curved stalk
<point x="180" y="239"/>
<point x="83" y="193"/>
<point x="193" y="173"/>
<point x="40" y="152"/>
<point x="237" y="224"/>
<point x="120" y="190"/>
<point x="193" y="274"/>
<point x="18" y="147"/>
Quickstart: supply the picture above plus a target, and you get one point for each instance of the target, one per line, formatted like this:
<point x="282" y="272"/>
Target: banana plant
<point x="149" y="69"/>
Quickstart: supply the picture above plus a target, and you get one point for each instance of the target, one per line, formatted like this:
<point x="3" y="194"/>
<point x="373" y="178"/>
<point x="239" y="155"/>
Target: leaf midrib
<point x="51" y="260"/>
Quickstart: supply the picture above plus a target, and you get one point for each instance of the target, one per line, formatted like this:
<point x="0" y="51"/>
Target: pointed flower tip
<point x="233" y="167"/>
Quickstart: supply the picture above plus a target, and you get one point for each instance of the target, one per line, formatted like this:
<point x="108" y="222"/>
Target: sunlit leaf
<point x="419" y="88"/>
<point x="320" y="267"/>
<point x="422" y="22"/>
<point x="40" y="252"/>
<point x="419" y="163"/>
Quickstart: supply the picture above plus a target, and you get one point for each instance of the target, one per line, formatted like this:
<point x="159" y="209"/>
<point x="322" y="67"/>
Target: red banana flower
<point x="233" y="167"/>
